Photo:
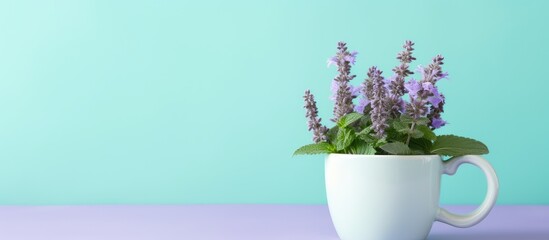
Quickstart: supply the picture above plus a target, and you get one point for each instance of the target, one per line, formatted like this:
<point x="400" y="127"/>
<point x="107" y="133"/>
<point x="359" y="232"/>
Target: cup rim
<point x="385" y="156"/>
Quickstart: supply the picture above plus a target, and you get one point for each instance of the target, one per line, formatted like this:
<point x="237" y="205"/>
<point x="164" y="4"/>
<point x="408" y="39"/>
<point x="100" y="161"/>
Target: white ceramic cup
<point x="381" y="197"/>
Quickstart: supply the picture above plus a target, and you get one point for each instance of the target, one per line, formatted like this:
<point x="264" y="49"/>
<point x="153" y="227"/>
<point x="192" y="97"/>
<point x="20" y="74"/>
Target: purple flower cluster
<point x="378" y="102"/>
<point x="319" y="131"/>
<point x="402" y="71"/>
<point x="396" y="83"/>
<point x="425" y="99"/>
<point x="349" y="57"/>
<point x="344" y="92"/>
<point x="382" y="99"/>
<point x="417" y="107"/>
<point x="355" y="91"/>
<point x="367" y="91"/>
<point x="434" y="71"/>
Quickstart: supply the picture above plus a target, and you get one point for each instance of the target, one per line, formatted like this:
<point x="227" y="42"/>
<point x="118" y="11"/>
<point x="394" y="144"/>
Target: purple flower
<point x="402" y="106"/>
<point x="431" y="75"/>
<point x="435" y="99"/>
<point x="389" y="80"/>
<point x="406" y="55"/>
<point x="355" y="91"/>
<point x="343" y="102"/>
<point x="367" y="92"/>
<point x="395" y="105"/>
<point x="437" y="123"/>
<point x="333" y="61"/>
<point x="433" y="72"/>
<point x="396" y="85"/>
<point x="427" y="74"/>
<point x="443" y="75"/>
<point x="333" y="89"/>
<point x="368" y="88"/>
<point x="416" y="108"/>
<point x="362" y="103"/>
<point x="319" y="131"/>
<point x="427" y="86"/>
<point x="379" y="102"/>
<point x="344" y="94"/>
<point x="413" y="88"/>
<point x="351" y="58"/>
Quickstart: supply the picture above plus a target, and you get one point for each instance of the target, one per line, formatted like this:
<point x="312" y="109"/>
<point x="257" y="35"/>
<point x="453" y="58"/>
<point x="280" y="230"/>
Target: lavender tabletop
<point x="228" y="222"/>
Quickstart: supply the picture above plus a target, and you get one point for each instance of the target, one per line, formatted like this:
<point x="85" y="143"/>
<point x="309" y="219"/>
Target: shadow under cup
<point x="394" y="197"/>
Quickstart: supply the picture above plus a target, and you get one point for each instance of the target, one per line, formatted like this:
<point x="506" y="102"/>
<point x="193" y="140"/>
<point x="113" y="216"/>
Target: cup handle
<point x="450" y="167"/>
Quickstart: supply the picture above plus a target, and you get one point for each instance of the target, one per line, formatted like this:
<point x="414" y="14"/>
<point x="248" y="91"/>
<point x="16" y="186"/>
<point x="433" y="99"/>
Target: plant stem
<point x="410" y="134"/>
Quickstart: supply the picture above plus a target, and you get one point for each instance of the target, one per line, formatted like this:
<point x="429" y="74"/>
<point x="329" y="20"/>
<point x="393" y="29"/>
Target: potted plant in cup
<point x="384" y="159"/>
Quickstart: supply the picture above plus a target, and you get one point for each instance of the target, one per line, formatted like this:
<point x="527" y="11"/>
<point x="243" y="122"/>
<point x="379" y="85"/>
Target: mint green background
<point x="157" y="102"/>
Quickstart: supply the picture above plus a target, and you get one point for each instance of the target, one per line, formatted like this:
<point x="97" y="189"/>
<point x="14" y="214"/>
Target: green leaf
<point x="332" y="134"/>
<point x="344" y="138"/>
<point x="427" y="132"/>
<point x="366" y="135"/>
<point x="367" y="138"/>
<point x="348" y="119"/>
<point x="421" y="144"/>
<point x="422" y="121"/>
<point x="400" y="126"/>
<point x="394" y="136"/>
<point x="365" y="131"/>
<point x="315" y="148"/>
<point x="360" y="147"/>
<point x="380" y="142"/>
<point x="369" y="150"/>
<point x="396" y="148"/>
<point x="365" y="120"/>
<point x="415" y="133"/>
<point x="406" y="119"/>
<point x="412" y="132"/>
<point x="451" y="145"/>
